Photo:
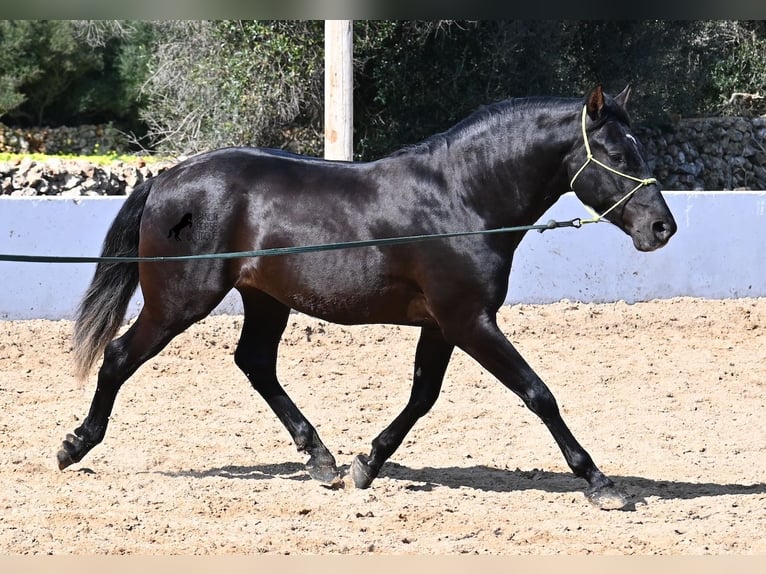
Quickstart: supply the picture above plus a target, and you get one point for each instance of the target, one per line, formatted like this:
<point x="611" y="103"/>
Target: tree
<point x="215" y="84"/>
<point x="418" y="77"/>
<point x="52" y="72"/>
<point x="204" y="84"/>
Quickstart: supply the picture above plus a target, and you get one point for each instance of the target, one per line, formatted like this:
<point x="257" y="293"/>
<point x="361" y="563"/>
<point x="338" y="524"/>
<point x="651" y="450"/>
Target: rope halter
<point x="589" y="158"/>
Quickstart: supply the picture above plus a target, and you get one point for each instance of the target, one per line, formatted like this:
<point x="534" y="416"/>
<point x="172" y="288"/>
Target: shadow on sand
<point x="489" y="479"/>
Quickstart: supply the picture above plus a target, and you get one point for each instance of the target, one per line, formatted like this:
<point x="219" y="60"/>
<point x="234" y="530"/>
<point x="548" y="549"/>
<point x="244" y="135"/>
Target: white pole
<point x="338" y="90"/>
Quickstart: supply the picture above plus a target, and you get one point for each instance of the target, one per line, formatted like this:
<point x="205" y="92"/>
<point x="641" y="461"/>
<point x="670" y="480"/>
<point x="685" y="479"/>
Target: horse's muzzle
<point x="657" y="235"/>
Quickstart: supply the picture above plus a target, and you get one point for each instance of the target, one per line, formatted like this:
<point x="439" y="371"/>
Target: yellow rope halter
<point x="641" y="182"/>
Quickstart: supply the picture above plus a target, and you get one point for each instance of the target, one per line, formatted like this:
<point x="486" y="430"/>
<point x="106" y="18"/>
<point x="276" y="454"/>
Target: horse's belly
<point x="340" y="288"/>
<point x="396" y="304"/>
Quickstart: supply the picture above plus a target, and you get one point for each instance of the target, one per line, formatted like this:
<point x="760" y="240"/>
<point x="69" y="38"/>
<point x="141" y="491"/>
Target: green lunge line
<point x="288" y="250"/>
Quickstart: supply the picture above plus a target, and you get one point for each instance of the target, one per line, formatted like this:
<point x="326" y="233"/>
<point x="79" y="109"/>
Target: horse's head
<point x="608" y="173"/>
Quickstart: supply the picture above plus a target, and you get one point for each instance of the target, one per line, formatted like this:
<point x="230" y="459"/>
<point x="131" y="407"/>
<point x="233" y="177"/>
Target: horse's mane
<point x="489" y="115"/>
<point x="481" y="119"/>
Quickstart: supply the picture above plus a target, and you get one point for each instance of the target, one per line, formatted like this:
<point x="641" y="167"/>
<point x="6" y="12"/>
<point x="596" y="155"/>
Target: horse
<point x="503" y="165"/>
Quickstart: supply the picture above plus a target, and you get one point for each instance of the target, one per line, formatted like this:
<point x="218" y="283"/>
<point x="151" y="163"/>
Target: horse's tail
<point x="103" y="306"/>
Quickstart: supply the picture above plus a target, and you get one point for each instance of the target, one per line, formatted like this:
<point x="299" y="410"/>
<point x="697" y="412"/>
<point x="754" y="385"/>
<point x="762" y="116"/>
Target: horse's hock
<point x="722" y="153"/>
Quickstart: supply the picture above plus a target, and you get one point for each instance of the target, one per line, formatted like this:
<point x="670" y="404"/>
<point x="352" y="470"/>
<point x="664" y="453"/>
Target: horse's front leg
<point x="486" y="343"/>
<point x="431" y="359"/>
<point x="265" y="321"/>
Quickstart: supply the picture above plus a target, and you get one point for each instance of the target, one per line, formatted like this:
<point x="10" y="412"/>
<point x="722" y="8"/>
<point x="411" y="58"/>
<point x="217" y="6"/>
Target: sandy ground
<point x="668" y="397"/>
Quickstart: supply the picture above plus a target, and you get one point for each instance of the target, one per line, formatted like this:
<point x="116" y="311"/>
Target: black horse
<point x="505" y="165"/>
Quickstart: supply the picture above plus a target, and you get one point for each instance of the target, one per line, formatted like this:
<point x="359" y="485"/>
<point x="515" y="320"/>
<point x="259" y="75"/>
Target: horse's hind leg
<point x="148" y="335"/>
<point x="431" y="360"/>
<point x="256" y="354"/>
<point x="121" y="359"/>
<point x="486" y="343"/>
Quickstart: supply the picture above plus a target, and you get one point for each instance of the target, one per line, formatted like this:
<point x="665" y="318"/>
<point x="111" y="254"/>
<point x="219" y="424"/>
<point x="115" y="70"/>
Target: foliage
<point x="117" y="91"/>
<point x="198" y="85"/>
<point x="402" y="96"/>
<point x="95" y="159"/>
<point x="744" y="67"/>
<point x="51" y="75"/>
<point x="676" y="68"/>
<point x="215" y="84"/>
<point x="668" y="62"/>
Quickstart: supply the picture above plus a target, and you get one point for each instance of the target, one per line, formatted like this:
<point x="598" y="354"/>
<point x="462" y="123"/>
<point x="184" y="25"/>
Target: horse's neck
<point x="512" y="164"/>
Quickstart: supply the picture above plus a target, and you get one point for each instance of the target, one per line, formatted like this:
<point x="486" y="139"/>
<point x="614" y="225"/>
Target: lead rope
<point x="589" y="158"/>
<point x="553" y="224"/>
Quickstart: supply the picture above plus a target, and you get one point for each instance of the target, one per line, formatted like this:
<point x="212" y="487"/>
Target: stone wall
<point x="79" y="140"/>
<point x="74" y="177"/>
<point x="721" y="153"/>
<point x="27" y="176"/>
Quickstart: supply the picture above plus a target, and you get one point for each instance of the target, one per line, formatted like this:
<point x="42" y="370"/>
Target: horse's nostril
<point x="663" y="229"/>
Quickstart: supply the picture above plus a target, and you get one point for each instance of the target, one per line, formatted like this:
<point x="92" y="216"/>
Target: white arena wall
<point x="717" y="253"/>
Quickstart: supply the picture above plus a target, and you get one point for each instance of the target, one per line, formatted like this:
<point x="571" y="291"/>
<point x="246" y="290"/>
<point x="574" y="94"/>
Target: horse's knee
<point x="240" y="359"/>
<point x="255" y="366"/>
<point x="540" y="400"/>
<point x="422" y="403"/>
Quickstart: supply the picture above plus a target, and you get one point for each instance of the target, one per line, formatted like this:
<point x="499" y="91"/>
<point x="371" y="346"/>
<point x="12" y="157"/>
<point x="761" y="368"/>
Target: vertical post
<point x="338" y="90"/>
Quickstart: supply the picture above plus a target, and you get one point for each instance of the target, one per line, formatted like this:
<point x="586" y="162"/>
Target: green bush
<point x="215" y="84"/>
<point x="415" y="78"/>
<point x="52" y="73"/>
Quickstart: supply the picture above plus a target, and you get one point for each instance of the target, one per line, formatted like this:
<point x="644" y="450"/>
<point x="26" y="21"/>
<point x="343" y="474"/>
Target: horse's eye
<point x="616" y="157"/>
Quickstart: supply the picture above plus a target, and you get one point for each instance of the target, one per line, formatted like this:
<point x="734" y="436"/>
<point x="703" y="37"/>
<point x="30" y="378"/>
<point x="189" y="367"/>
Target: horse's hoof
<point x="72" y="450"/>
<point x="361" y="473"/>
<point x="327" y="473"/>
<point x="64" y="459"/>
<point x="607" y="498"/>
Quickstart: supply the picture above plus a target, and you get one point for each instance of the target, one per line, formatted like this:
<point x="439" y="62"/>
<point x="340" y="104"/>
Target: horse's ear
<point x="623" y="96"/>
<point x="594" y="102"/>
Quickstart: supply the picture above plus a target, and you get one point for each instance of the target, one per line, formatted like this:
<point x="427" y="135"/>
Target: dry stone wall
<point x="723" y="153"/>
<point x="62" y="176"/>
<point x="74" y="177"/>
<point x="79" y="140"/>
